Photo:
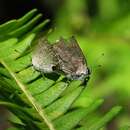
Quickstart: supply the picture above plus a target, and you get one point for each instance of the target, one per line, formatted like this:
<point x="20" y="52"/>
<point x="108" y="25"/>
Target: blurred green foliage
<point x="105" y="40"/>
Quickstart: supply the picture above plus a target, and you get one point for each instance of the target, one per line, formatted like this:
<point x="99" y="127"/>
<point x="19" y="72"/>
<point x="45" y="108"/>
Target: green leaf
<point x="101" y="122"/>
<point x="39" y="102"/>
<point x="125" y="128"/>
<point x="69" y="121"/>
<point x="14" y="24"/>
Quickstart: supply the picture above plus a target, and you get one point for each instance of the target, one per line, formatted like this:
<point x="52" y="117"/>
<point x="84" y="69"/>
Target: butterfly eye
<point x="54" y="68"/>
<point x="76" y="76"/>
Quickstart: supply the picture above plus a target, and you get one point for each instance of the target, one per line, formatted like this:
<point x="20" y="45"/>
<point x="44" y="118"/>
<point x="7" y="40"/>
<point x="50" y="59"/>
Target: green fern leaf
<point x="40" y="103"/>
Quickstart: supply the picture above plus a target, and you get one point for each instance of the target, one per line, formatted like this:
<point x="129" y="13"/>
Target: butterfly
<point x="63" y="57"/>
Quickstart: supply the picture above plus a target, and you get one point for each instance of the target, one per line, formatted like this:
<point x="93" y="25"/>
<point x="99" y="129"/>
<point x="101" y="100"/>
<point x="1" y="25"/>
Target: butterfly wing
<point x="43" y="57"/>
<point x="70" y="56"/>
<point x="76" y="50"/>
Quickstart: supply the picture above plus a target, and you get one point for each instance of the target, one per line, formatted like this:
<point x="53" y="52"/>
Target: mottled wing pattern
<point x="76" y="50"/>
<point x="69" y="54"/>
<point x="43" y="57"/>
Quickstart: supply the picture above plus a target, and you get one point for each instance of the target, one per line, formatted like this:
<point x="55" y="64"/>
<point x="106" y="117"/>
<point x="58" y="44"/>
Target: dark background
<point x="17" y="8"/>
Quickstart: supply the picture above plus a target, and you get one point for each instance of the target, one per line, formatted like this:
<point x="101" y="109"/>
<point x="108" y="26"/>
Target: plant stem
<point x="30" y="98"/>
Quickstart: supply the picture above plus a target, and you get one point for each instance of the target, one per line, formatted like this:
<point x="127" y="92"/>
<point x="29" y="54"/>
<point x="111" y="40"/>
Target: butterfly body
<point x="64" y="56"/>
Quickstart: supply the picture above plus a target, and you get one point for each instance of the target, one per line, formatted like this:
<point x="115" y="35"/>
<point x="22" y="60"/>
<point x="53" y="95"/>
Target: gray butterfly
<point x="63" y="57"/>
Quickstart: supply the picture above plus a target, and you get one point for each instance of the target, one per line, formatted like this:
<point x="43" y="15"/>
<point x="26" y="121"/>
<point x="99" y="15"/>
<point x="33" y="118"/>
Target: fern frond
<point x="40" y="103"/>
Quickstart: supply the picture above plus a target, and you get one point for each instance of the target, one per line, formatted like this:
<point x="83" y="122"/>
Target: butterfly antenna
<point x="97" y="66"/>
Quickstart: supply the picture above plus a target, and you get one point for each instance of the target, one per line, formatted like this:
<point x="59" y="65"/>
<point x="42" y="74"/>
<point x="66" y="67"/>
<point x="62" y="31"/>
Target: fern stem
<point x="29" y="97"/>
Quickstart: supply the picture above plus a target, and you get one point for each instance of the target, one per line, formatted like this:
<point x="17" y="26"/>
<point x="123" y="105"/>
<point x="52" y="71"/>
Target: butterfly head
<point x="82" y="73"/>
